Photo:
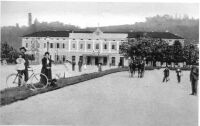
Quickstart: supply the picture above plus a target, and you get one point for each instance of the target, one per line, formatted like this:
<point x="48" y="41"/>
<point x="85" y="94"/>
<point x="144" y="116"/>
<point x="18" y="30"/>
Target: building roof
<point x="103" y="35"/>
<point x="49" y="34"/>
<point x="95" y="36"/>
<point x="163" y="35"/>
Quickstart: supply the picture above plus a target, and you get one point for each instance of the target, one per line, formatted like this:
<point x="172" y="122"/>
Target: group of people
<point x="136" y="64"/>
<point x="194" y="77"/>
<point x="23" y="65"/>
<point x="166" y="74"/>
<point x="80" y="65"/>
<point x="139" y="64"/>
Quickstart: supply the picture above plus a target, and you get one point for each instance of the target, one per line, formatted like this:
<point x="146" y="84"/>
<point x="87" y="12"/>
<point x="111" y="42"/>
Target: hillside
<point x="184" y="27"/>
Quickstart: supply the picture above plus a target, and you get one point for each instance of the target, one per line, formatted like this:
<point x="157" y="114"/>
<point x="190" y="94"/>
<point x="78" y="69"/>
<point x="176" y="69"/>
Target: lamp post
<point x="47" y="43"/>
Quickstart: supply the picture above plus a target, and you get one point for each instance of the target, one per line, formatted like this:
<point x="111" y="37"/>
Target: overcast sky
<point x="87" y="14"/>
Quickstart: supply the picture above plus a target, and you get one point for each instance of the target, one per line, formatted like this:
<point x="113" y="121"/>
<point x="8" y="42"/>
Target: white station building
<point x="91" y="47"/>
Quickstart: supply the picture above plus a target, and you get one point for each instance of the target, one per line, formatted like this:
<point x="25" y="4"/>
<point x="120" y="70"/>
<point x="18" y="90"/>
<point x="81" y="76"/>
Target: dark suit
<point x="194" y="76"/>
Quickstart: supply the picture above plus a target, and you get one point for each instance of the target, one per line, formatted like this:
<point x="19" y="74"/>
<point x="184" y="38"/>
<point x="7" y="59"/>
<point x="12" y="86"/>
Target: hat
<point x="22" y="48"/>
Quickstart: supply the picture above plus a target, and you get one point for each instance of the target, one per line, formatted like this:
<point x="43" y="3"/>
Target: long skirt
<point x="48" y="73"/>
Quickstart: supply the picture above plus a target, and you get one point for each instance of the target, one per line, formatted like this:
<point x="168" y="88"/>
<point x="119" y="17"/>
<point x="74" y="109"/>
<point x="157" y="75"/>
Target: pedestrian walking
<point x="194" y="77"/>
<point x="166" y="74"/>
<point x="179" y="74"/>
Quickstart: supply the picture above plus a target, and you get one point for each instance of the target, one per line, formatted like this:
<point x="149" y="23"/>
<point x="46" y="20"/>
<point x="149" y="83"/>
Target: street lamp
<point x="47" y="43"/>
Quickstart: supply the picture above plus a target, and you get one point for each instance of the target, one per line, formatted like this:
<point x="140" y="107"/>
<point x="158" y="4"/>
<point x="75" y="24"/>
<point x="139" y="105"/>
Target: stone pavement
<point x="114" y="99"/>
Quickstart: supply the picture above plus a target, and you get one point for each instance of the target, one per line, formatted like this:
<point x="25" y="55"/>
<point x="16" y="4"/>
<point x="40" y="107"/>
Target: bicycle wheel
<point x="39" y="81"/>
<point x="14" y="80"/>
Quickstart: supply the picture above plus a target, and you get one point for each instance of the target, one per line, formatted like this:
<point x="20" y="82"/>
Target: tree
<point x="8" y="52"/>
<point x="177" y="52"/>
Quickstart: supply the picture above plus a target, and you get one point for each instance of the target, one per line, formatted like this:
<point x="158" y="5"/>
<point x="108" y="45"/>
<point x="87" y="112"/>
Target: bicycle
<point x="34" y="81"/>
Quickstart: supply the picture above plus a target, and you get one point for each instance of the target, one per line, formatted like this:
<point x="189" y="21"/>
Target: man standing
<point x="25" y="57"/>
<point x="80" y="65"/>
<point x="178" y="72"/>
<point x="194" y="77"/>
<point x="73" y="65"/>
<point x="166" y="74"/>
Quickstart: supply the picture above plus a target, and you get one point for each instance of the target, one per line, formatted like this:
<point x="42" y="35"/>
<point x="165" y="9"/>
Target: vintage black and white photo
<point x="99" y="63"/>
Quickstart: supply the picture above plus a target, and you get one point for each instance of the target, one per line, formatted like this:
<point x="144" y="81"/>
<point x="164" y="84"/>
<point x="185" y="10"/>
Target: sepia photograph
<point x="99" y="63"/>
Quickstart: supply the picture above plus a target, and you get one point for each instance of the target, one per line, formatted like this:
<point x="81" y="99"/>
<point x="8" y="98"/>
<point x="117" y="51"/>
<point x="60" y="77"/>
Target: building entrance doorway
<point x="121" y="62"/>
<point x="88" y="60"/>
<point x="96" y="60"/>
<point x="105" y="61"/>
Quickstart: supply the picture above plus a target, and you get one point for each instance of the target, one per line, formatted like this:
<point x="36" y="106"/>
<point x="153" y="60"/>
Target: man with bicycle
<point x="26" y="64"/>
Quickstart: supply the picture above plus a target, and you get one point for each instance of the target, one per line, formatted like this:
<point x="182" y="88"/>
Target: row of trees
<point x="158" y="50"/>
<point x="10" y="54"/>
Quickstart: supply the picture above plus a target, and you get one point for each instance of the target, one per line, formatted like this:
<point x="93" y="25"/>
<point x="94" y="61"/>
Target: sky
<point x="90" y="14"/>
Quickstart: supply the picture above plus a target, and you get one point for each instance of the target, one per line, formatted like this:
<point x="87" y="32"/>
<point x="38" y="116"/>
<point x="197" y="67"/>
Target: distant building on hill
<point x="92" y="47"/>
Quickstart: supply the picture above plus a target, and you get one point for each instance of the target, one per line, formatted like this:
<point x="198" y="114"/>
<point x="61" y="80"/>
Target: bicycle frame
<point x="33" y="73"/>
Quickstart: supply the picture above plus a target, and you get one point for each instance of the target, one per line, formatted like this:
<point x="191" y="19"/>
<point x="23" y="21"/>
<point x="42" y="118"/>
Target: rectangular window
<point x="113" y="61"/>
<point x="51" y="45"/>
<point x="88" y="46"/>
<point x="105" y="46"/>
<point x="74" y="46"/>
<point x="81" y="58"/>
<point x="97" y="46"/>
<point x="26" y="45"/>
<point x="63" y="45"/>
<point x="81" y="46"/>
<point x="63" y="58"/>
<point x="113" y="47"/>
<point x="58" y="46"/>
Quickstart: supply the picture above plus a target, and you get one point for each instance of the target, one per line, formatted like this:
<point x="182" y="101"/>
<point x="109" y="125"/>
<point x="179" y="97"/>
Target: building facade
<point x="90" y="47"/>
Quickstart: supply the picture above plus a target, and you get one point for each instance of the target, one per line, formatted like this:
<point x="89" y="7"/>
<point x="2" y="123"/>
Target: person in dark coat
<point x="73" y="65"/>
<point x="166" y="74"/>
<point x="80" y="63"/>
<point x="142" y="69"/>
<point x="46" y="67"/>
<point x="139" y="68"/>
<point x="194" y="77"/>
<point x="26" y="64"/>
<point x="178" y="73"/>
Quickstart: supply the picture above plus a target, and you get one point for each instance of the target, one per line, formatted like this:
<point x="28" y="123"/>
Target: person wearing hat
<point x="26" y="64"/>
<point x="46" y="67"/>
<point x="194" y="77"/>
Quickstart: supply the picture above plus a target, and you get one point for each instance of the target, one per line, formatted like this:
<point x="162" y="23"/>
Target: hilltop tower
<point x="29" y="19"/>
